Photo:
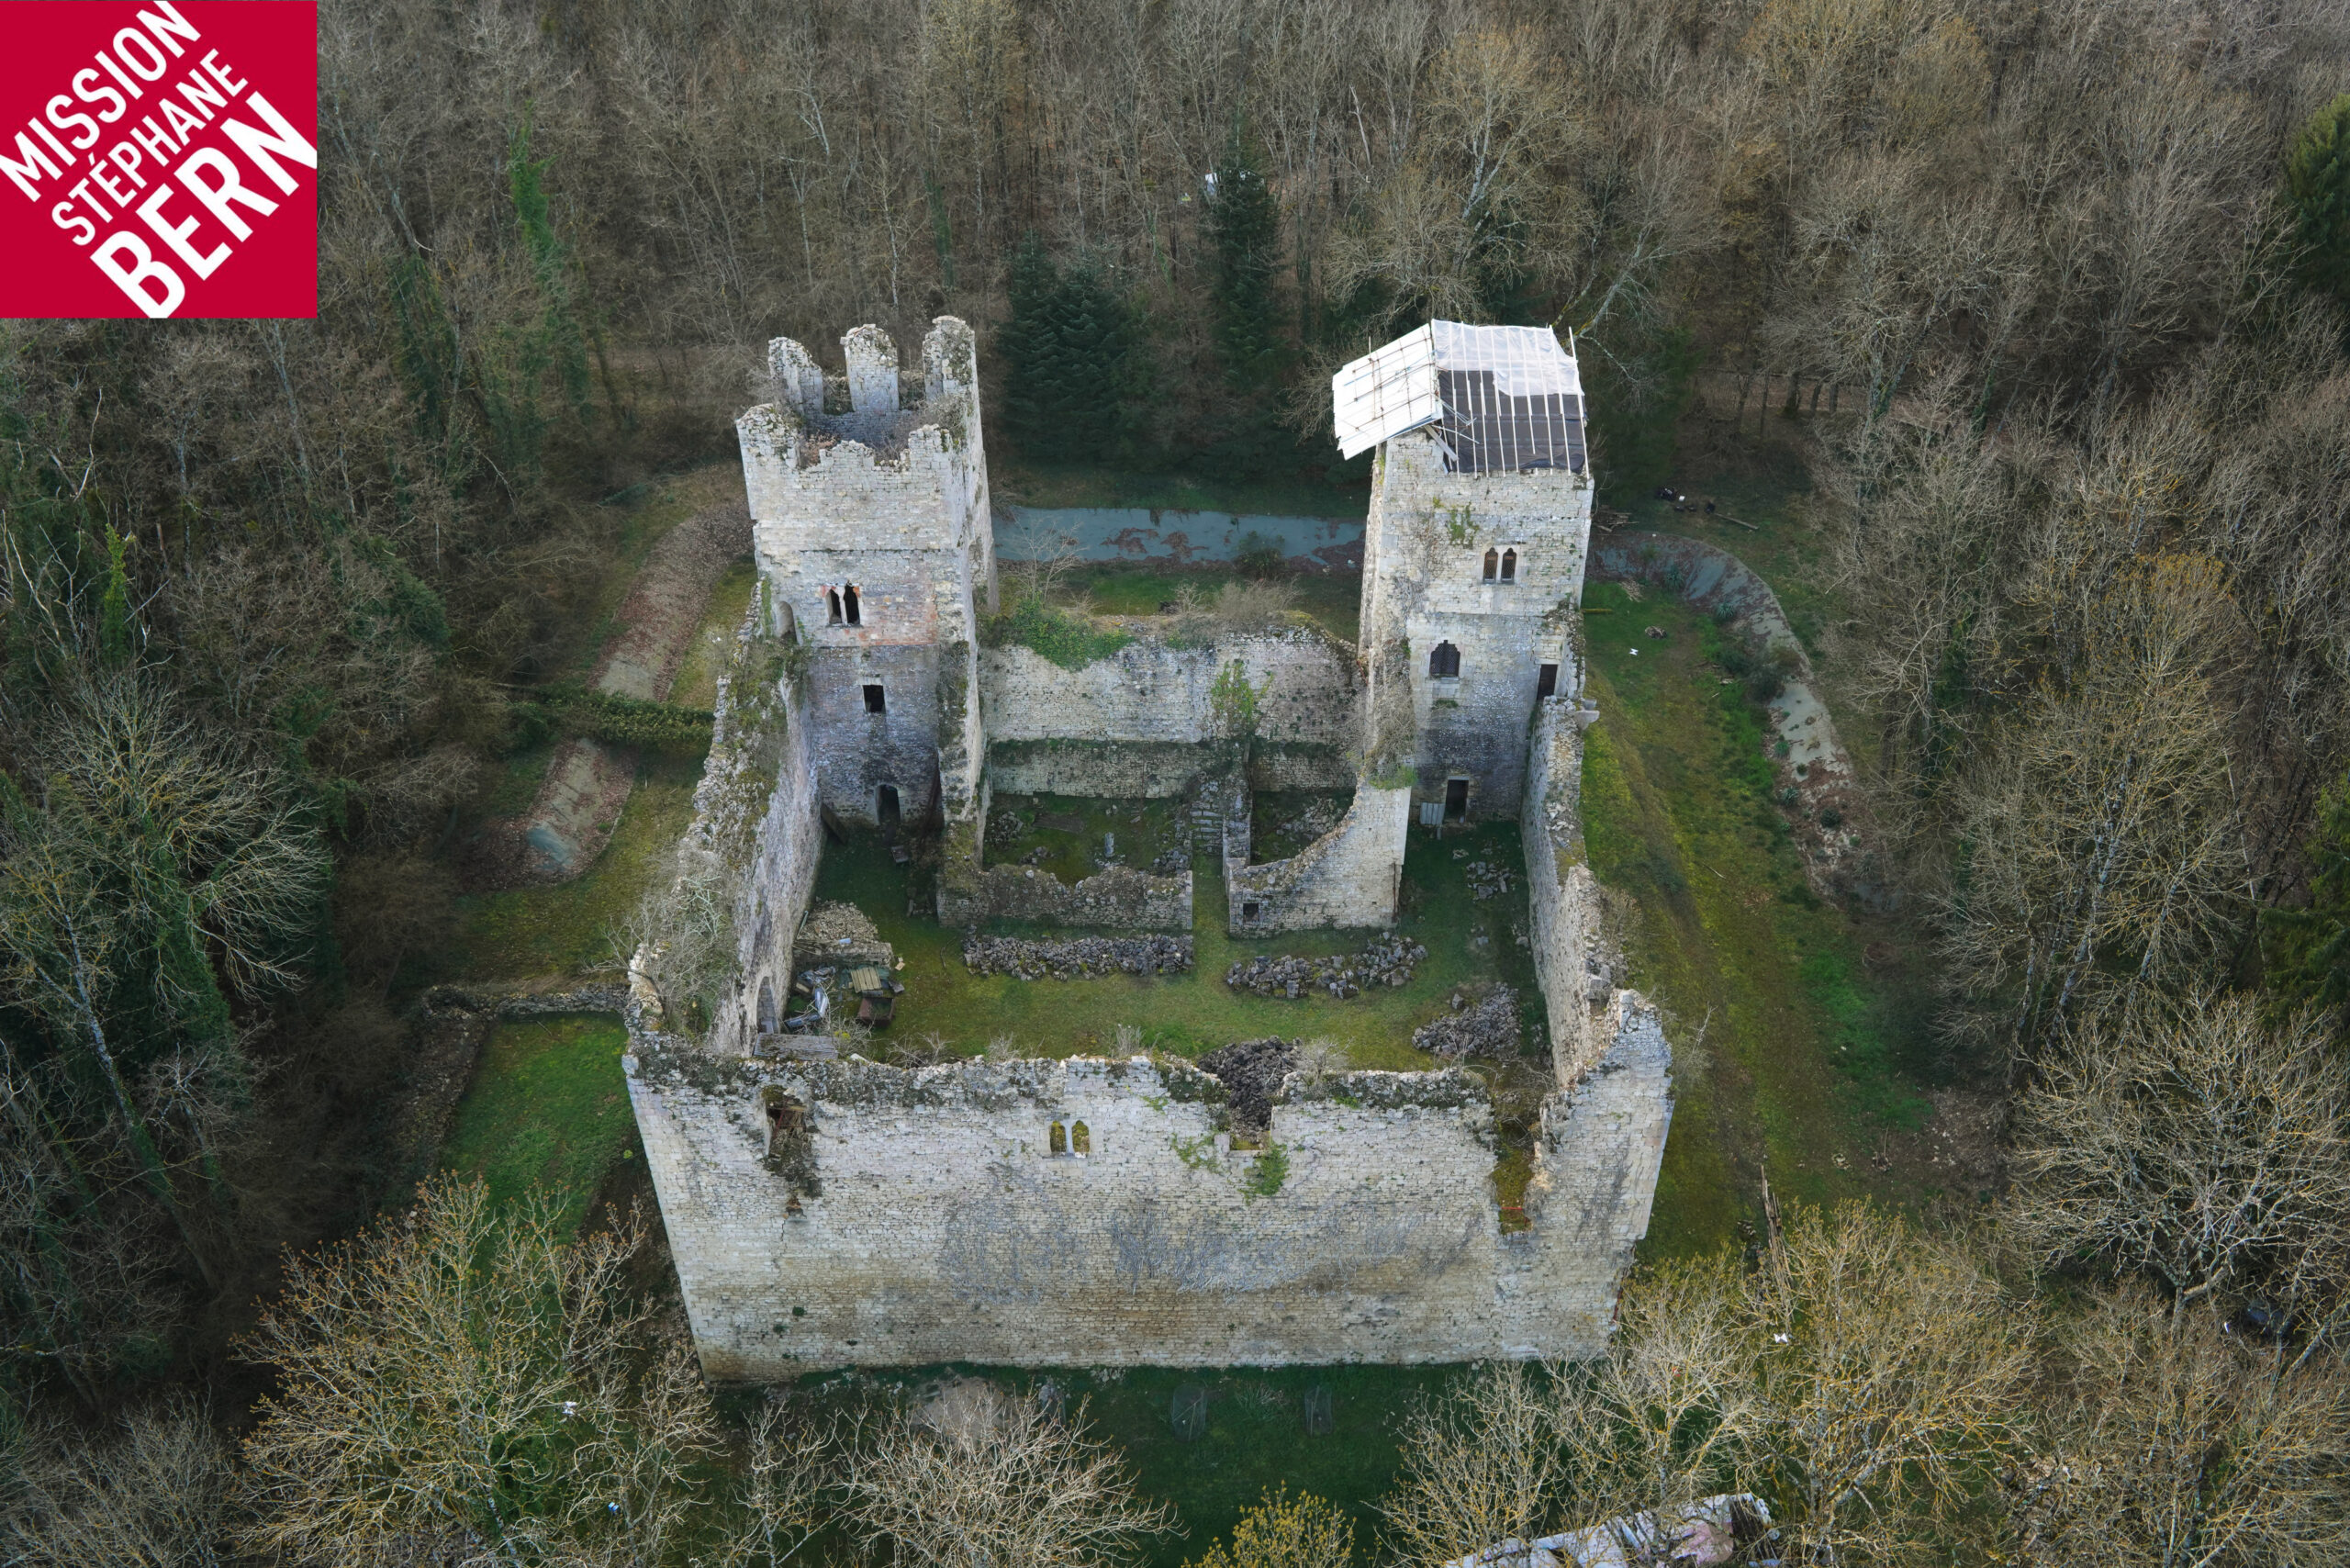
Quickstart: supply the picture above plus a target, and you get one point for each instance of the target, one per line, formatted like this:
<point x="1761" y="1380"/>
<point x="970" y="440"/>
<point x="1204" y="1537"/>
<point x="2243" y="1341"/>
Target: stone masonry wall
<point x="1564" y="898"/>
<point x="1348" y="877"/>
<point x="1118" y="899"/>
<point x="1150" y="691"/>
<point x="755" y="820"/>
<point x="921" y="1217"/>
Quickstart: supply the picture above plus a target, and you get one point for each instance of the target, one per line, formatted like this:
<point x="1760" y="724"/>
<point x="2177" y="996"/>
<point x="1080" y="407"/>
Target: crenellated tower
<point x="870" y="516"/>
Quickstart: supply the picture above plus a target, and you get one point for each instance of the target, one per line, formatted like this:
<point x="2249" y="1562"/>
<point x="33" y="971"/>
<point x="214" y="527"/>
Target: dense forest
<point x="2051" y="293"/>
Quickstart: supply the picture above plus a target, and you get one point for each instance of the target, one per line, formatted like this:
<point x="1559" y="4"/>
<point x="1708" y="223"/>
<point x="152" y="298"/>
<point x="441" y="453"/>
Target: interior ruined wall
<point x="932" y="1225"/>
<point x="1150" y="691"/>
<point x="1424" y="584"/>
<point x="1347" y="877"/>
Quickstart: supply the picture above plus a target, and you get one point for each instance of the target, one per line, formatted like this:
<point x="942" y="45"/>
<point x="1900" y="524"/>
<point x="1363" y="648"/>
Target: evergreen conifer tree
<point x="2317" y="179"/>
<point x="1244" y="230"/>
<point x="1069" y="353"/>
<point x="1244" y="237"/>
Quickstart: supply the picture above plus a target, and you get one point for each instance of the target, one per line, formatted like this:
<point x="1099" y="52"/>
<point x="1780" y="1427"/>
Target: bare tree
<point x="2165" y="1440"/>
<point x="2190" y="1139"/>
<point x="468" y="1381"/>
<point x="151" y="1494"/>
<point x="1006" y="1485"/>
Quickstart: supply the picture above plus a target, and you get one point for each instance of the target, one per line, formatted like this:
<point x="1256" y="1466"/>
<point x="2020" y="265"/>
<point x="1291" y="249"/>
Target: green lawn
<point x="1334" y="599"/>
<point x="547" y="1108"/>
<point x="1468" y="942"/>
<point x="1805" y="1062"/>
<point x="524" y="932"/>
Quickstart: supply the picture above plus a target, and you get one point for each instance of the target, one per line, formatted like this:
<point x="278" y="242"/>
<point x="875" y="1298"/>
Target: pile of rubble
<point x="1387" y="962"/>
<point x="1483" y="1028"/>
<point x="1079" y="957"/>
<point x="1251" y="1071"/>
<point x="1488" y="879"/>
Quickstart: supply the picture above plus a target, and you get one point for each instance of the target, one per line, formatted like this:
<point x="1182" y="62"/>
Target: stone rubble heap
<point x="1251" y="1071"/>
<point x="1487" y="878"/>
<point x="1485" y="1028"/>
<point x="1079" y="957"/>
<point x="1387" y="962"/>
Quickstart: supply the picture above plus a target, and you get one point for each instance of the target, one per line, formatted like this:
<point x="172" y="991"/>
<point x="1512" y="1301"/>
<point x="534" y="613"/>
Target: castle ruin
<point x="823" y="1209"/>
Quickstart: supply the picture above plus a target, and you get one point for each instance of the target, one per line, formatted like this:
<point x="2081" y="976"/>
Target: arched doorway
<point x="886" y="810"/>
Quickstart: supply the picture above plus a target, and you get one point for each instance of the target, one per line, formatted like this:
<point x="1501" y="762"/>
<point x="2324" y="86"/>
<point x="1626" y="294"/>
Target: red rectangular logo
<point x="159" y="158"/>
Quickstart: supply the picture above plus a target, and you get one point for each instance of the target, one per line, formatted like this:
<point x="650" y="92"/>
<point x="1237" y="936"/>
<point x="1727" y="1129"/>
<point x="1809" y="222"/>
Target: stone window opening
<point x="876" y="700"/>
<point x="1059" y="1142"/>
<point x="1081" y="1139"/>
<point x="1248" y="913"/>
<point x="831" y="606"/>
<point x="850" y="606"/>
<point x="1492" y="564"/>
<point x="1547" y="685"/>
<point x="1509" y="565"/>
<point x="1444" y="662"/>
<point x="1456" y="800"/>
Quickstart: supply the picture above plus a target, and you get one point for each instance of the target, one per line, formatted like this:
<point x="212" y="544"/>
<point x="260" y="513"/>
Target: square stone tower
<point x="1473" y="556"/>
<point x="875" y="546"/>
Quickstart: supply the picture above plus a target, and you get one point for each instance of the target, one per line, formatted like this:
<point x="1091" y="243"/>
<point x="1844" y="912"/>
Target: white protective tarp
<point x="1501" y="399"/>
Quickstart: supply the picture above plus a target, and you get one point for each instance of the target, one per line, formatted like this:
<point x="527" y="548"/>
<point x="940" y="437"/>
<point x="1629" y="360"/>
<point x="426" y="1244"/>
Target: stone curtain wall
<point x="1347" y="878"/>
<point x="755" y="818"/>
<point x="1564" y="898"/>
<point x="924" y="1219"/>
<point x="1152" y="692"/>
<point x="1602" y="1141"/>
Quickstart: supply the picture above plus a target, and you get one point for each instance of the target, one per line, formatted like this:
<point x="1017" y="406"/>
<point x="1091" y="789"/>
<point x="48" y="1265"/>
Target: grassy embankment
<point x="1790" y="1058"/>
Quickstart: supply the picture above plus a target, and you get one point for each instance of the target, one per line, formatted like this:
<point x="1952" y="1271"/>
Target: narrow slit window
<point x="1059" y="1143"/>
<point x="1444" y="661"/>
<point x="1080" y="1140"/>
<point x="849" y="606"/>
<point x="1509" y="565"/>
<point x="831" y="606"/>
<point x="876" y="700"/>
<point x="1492" y="564"/>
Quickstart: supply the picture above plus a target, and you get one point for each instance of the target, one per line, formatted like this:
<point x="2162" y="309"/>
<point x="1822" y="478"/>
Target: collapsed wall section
<point x="1348" y="877"/>
<point x="1095" y="1213"/>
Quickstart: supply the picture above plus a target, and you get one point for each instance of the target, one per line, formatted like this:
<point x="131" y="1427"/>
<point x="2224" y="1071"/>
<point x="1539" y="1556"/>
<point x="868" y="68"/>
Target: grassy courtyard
<point x="1469" y="943"/>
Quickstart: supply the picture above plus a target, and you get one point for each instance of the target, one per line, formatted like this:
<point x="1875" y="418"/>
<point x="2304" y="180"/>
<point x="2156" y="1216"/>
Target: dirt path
<point x="1813" y="762"/>
<point x="587" y="782"/>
